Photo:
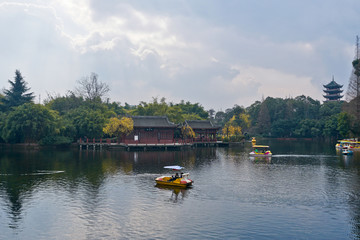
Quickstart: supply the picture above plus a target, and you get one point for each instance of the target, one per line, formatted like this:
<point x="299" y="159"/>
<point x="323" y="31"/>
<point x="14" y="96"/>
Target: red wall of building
<point x="150" y="136"/>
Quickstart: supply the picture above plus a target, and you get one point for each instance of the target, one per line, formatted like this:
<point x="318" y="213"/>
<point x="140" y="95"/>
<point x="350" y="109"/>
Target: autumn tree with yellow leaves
<point x="232" y="130"/>
<point x="119" y="127"/>
<point x="187" y="132"/>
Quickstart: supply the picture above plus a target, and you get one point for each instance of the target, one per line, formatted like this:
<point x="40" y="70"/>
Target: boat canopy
<point x="174" y="167"/>
<point x="260" y="146"/>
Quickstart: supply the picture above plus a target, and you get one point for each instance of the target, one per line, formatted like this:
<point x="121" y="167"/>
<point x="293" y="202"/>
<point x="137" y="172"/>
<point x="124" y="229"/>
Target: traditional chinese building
<point x="333" y="91"/>
<point x="204" y="130"/>
<point x="151" y="130"/>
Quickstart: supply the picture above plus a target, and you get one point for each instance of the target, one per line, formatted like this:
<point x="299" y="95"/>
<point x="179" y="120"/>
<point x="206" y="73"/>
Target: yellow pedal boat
<point x="178" y="180"/>
<point x="261" y="150"/>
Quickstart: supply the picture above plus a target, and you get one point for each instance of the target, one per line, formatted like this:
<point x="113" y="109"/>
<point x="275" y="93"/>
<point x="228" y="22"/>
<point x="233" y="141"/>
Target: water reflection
<point x="109" y="194"/>
<point x="82" y="175"/>
<point x="260" y="159"/>
<point x="177" y="194"/>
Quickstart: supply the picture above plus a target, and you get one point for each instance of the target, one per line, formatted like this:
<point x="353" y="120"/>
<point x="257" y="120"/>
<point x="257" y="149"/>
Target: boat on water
<point x="352" y="144"/>
<point x="180" y="179"/>
<point x="260" y="151"/>
<point x="346" y="151"/>
<point x="261" y="159"/>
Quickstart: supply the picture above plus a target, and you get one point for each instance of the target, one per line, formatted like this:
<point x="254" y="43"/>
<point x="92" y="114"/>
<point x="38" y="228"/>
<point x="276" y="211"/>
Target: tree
<point x="87" y="122"/>
<point x="64" y="104"/>
<point x="187" y="132"/>
<point x="176" y="113"/>
<point x="16" y="95"/>
<point x="232" y="132"/>
<point x="307" y="128"/>
<point x="344" y="124"/>
<point x="263" y="119"/>
<point x="91" y="89"/>
<point x="219" y="118"/>
<point x="211" y="113"/>
<point x="353" y="91"/>
<point x="119" y="127"/>
<point x="29" y="123"/>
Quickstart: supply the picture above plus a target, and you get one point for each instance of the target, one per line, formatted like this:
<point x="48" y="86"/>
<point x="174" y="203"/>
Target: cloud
<point x="219" y="54"/>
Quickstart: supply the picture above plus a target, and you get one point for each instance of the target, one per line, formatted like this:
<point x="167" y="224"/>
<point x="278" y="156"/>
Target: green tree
<point x="29" y="123"/>
<point x="16" y="95"/>
<point x="87" y="122"/>
<point x="263" y="120"/>
<point x="344" y="124"/>
<point x="308" y="128"/>
<point x="64" y="104"/>
<point x="330" y="127"/>
<point x="176" y="113"/>
<point x="330" y="108"/>
<point x="189" y="108"/>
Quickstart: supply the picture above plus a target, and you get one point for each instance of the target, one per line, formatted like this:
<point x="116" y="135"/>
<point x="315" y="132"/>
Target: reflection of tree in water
<point x="23" y="173"/>
<point x="14" y="204"/>
<point x="81" y="174"/>
<point x="350" y="165"/>
<point x="354" y="201"/>
<point x="17" y="189"/>
<point x="354" y="195"/>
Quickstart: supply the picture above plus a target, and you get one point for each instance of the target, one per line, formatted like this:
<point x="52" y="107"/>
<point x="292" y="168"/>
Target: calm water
<point x="305" y="191"/>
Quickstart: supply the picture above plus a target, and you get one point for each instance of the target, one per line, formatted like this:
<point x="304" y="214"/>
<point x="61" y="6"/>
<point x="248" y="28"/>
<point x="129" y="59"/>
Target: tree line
<point x="84" y="112"/>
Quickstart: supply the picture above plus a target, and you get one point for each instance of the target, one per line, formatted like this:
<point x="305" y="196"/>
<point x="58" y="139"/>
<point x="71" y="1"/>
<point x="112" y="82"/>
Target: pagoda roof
<point x="333" y="90"/>
<point x="333" y="84"/>
<point x="333" y="97"/>
<point x="200" y="124"/>
<point x="152" y="121"/>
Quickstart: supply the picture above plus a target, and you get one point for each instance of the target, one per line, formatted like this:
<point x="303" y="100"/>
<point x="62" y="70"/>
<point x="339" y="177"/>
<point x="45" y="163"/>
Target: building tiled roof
<point x="333" y="85"/>
<point x="152" y="121"/>
<point x="200" y="124"/>
<point x="333" y="91"/>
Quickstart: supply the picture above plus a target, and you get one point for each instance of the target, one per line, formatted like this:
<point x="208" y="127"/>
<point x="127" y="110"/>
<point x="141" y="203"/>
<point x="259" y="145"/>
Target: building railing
<point x="104" y="141"/>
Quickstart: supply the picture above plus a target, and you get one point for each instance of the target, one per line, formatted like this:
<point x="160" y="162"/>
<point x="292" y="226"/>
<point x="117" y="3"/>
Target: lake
<point x="305" y="191"/>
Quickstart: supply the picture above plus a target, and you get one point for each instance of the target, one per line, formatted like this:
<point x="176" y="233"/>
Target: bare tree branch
<point x="91" y="89"/>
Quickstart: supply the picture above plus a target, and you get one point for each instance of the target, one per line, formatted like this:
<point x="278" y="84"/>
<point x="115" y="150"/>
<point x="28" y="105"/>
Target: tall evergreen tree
<point x="353" y="92"/>
<point x="263" y="119"/>
<point x="16" y="95"/>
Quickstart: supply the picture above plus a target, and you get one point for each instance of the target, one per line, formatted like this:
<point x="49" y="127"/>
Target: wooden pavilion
<point x="151" y="130"/>
<point x="204" y="130"/>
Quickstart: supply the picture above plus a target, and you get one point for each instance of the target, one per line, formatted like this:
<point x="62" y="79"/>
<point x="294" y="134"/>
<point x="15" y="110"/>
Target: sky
<point x="218" y="53"/>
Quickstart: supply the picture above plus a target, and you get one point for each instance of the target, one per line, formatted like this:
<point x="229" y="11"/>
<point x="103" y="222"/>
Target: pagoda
<point x="333" y="91"/>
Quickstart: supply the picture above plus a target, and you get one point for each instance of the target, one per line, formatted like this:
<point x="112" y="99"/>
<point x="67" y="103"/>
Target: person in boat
<point x="174" y="177"/>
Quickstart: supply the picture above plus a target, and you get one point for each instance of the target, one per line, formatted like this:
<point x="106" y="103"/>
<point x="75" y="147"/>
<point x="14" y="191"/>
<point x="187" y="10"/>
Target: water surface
<point x="305" y="191"/>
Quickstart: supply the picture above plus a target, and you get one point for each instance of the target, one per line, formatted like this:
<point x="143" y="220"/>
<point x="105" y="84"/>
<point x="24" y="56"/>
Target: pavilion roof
<point x="333" y="84"/>
<point x="152" y="121"/>
<point x="200" y="124"/>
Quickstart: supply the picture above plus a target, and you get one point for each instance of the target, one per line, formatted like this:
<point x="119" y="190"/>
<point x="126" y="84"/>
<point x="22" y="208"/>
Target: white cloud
<point x="218" y="55"/>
